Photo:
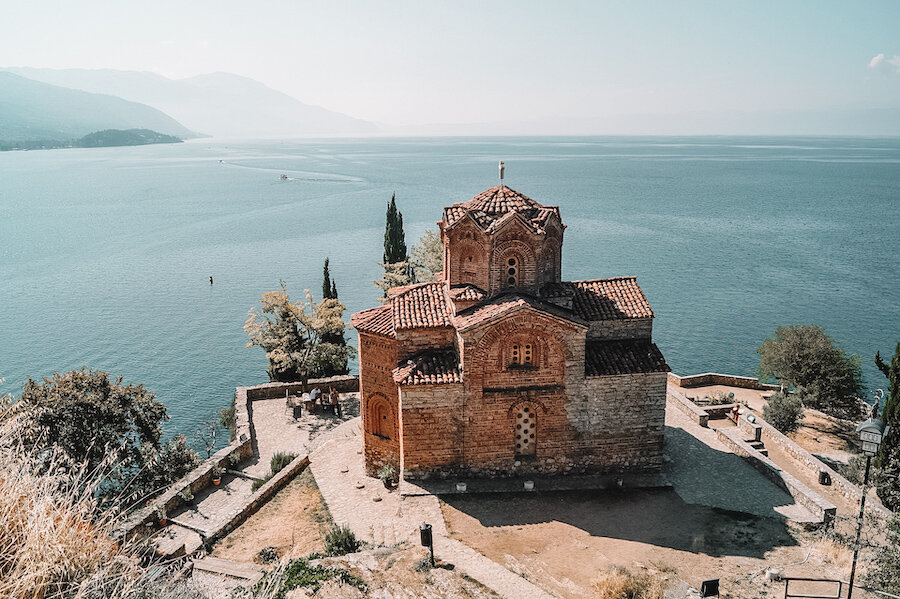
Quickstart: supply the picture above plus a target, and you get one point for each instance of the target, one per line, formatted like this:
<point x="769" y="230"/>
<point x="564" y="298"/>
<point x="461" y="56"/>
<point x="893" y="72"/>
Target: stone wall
<point x="820" y="507"/>
<point x="713" y="378"/>
<point x="412" y="342"/>
<point x="627" y="328"/>
<point x="683" y="404"/>
<point x="344" y="384"/>
<point x="141" y="521"/>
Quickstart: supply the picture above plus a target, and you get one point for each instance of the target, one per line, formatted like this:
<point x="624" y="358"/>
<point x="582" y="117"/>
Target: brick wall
<point x="378" y="358"/>
<point x="431" y="424"/>
<point x="412" y="341"/>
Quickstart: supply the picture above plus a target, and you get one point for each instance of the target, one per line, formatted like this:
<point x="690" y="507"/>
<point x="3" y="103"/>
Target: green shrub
<point x="299" y="573"/>
<point x="267" y="555"/>
<point x="340" y="540"/>
<point x="280" y="460"/>
<point x="258" y="483"/>
<point x="783" y="412"/>
<point x="228" y="419"/>
<point x="388" y="472"/>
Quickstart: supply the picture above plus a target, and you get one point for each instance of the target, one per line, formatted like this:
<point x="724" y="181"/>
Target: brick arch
<point x="513" y="326"/>
<point x="514" y="406"/>
<point x="523" y="252"/>
<point x="377" y="408"/>
<point x="468" y="262"/>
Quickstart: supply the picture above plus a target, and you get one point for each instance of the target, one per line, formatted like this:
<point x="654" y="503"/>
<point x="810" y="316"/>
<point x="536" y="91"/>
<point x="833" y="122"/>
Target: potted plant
<point x="217" y="472"/>
<point x="234" y="458"/>
<point x="161" y="514"/>
<point x="186" y="495"/>
<point x="388" y="475"/>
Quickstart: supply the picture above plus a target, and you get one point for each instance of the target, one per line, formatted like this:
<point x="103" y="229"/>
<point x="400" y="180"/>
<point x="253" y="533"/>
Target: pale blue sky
<point x="413" y="62"/>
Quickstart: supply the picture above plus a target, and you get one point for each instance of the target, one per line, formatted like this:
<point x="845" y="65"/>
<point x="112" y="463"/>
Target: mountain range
<point x="218" y="104"/>
<point x="31" y="110"/>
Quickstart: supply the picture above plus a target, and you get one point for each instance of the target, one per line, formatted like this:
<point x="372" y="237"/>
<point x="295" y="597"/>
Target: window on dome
<point x="512" y="272"/>
<point x="522" y="355"/>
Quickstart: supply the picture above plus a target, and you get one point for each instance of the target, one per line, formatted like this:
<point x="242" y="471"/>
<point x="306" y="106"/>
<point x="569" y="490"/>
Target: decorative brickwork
<point x="500" y="368"/>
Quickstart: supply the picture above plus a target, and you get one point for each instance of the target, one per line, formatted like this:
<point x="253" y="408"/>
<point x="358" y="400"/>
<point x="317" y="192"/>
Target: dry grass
<point x="620" y="583"/>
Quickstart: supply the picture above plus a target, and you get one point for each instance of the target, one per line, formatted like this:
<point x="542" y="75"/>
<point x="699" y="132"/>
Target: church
<point x="501" y="368"/>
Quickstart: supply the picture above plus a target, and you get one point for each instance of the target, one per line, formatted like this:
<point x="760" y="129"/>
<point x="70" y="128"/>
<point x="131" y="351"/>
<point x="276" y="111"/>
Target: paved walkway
<point x="379" y="516"/>
<point x="274" y="429"/>
<point x="704" y="472"/>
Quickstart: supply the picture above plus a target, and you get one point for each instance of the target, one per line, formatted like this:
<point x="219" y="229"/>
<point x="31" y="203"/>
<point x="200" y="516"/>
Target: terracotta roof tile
<point x="467" y="293"/>
<point x="421" y="306"/>
<point x="603" y="299"/>
<point x="378" y="321"/>
<point x="602" y="358"/>
<point x="499" y="200"/>
<point x="432" y="367"/>
<point x="476" y="315"/>
<point x="495" y="206"/>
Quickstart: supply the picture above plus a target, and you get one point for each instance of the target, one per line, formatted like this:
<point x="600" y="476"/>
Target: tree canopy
<point x="394" y="237"/>
<point x="300" y="339"/>
<point x="427" y="257"/>
<point x="94" y="420"/>
<point x="822" y="374"/>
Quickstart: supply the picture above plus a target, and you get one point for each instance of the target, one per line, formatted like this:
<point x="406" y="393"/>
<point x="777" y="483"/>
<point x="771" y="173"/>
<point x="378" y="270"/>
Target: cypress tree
<point x="889" y="452"/>
<point x="333" y="290"/>
<point x="394" y="237"/>
<point x="326" y="282"/>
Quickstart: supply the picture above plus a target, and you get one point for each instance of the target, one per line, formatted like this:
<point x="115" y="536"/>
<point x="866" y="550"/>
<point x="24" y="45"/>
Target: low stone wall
<point x="344" y="384"/>
<point x="805" y="460"/>
<point x="820" y="507"/>
<point x="693" y="411"/>
<point x="260" y="497"/>
<point x="714" y="378"/>
<point x="144" y="519"/>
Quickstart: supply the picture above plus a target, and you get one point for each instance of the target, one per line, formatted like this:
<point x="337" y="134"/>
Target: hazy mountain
<point x="31" y="110"/>
<point x="219" y="104"/>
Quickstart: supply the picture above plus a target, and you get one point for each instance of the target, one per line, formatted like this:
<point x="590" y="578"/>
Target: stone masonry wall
<point x="629" y="328"/>
<point x="411" y="342"/>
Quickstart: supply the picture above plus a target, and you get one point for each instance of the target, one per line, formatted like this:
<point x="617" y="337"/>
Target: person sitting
<point x="315" y="395"/>
<point x="335" y="396"/>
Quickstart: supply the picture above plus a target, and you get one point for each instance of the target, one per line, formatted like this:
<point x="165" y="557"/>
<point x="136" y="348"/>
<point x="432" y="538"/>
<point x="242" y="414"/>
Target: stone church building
<point x="500" y="368"/>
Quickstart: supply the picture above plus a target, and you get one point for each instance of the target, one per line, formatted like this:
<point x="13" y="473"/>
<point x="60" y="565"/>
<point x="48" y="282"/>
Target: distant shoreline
<point x="108" y="138"/>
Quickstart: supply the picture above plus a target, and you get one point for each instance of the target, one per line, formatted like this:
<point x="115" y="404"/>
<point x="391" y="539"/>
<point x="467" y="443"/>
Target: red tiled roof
<point x="378" y="321"/>
<point x="602" y="358"/>
<point x="499" y="200"/>
<point x="432" y="367"/>
<point x="467" y="293"/>
<point x="492" y="208"/>
<point x="603" y="299"/>
<point x="421" y="306"/>
<point x="477" y="315"/>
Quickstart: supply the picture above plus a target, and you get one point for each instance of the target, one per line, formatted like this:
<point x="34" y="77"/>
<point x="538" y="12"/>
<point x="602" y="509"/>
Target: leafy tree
<point x="888" y="484"/>
<point x="783" y="412"/>
<point x="395" y="275"/>
<point x="91" y="418"/>
<point x="823" y="375"/>
<point x="394" y="237"/>
<point x="298" y="338"/>
<point x="884" y="573"/>
<point x="427" y="257"/>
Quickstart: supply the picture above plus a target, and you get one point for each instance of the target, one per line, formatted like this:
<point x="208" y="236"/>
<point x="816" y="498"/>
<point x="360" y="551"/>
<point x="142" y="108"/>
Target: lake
<point x="106" y="254"/>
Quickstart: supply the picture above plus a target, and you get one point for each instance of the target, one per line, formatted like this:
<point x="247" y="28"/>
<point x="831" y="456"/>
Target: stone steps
<point x="758" y="446"/>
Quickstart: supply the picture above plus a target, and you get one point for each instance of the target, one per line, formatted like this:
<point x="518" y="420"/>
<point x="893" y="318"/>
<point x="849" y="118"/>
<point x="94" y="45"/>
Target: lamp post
<point x="871" y="432"/>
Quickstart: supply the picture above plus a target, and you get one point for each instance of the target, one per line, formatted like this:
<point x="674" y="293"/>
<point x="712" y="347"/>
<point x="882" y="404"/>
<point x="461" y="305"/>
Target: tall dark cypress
<point x="326" y="282"/>
<point x="394" y="237"/>
<point x="333" y="290"/>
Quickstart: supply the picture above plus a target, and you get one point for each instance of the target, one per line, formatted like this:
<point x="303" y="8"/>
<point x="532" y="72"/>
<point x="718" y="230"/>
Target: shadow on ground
<point x="652" y="516"/>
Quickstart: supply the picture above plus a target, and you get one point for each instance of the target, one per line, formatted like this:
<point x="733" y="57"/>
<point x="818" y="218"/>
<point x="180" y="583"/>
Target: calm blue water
<point x="105" y="254"/>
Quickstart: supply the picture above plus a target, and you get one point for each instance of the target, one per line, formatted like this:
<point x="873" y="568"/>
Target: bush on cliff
<point x="783" y="412"/>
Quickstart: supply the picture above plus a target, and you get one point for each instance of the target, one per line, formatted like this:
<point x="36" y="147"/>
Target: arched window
<point x="381" y="424"/>
<point x="526" y="427"/>
<point x="522" y="354"/>
<point x="511" y="275"/>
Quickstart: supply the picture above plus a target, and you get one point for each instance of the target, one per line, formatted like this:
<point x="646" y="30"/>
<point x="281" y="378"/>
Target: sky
<point x="408" y="63"/>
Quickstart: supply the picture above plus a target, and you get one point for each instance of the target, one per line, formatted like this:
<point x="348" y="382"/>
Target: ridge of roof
<point x="424" y="305"/>
<point x="377" y="321"/>
<point x="501" y="304"/>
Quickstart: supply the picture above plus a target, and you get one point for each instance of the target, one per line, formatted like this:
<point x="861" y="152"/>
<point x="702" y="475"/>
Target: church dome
<point x="500" y="200"/>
